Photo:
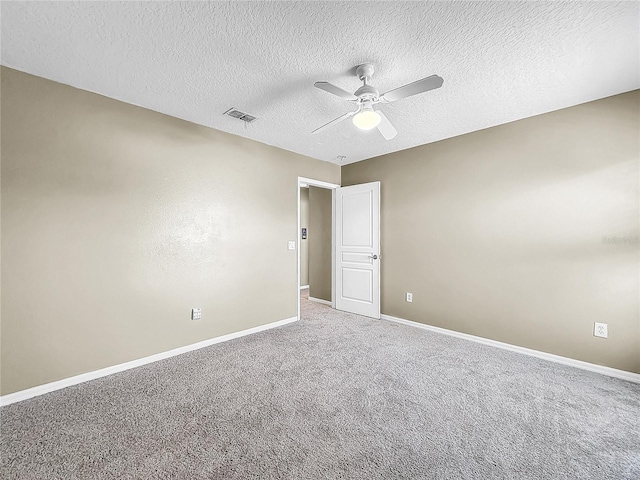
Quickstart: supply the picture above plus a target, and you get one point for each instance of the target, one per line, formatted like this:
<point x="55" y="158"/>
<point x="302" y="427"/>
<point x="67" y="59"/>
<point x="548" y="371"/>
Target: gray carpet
<point x="333" y="396"/>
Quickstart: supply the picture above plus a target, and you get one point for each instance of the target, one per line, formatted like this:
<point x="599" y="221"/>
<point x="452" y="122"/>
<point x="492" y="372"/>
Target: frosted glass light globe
<point x="366" y="119"/>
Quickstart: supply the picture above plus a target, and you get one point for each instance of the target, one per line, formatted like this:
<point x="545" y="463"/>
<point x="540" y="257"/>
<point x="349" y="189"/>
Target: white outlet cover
<point x="196" y="313"/>
<point x="291" y="245"/>
<point x="409" y="297"/>
<point x="600" y="330"/>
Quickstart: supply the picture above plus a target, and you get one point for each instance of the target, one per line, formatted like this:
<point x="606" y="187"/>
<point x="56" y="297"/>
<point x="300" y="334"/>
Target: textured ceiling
<point x="194" y="60"/>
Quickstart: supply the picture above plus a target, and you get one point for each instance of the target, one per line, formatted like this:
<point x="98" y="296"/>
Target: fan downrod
<point x="366" y="92"/>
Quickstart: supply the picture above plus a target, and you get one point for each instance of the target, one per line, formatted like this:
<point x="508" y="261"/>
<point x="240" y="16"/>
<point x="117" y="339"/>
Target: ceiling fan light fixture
<point x="367" y="118"/>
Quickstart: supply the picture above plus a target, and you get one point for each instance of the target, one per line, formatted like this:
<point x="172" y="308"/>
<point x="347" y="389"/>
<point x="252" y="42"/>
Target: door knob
<point x="375" y="257"/>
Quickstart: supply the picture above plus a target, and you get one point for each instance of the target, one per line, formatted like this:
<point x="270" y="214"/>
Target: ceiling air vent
<point x="245" y="117"/>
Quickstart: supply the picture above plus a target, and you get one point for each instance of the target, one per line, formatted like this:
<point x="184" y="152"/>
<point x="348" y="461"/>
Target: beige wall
<point x="304" y="244"/>
<point x="116" y="220"/>
<point x="526" y="233"/>
<point x="320" y="212"/>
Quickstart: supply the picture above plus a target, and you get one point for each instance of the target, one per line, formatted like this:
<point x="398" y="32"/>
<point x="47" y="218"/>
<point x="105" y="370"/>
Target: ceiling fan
<point x="365" y="117"/>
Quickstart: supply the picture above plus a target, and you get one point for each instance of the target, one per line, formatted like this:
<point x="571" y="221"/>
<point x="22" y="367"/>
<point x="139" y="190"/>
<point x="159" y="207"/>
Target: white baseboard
<point x="303" y="287"/>
<point x="319" y="300"/>
<point x="103" y="372"/>
<point x="592" y="367"/>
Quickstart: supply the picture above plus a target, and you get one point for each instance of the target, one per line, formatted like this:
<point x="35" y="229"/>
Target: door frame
<point x="331" y="186"/>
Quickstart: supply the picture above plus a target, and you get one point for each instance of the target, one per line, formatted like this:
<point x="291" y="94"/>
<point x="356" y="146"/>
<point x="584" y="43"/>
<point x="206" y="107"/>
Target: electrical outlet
<point x="600" y="330"/>
<point x="409" y="297"/>
<point x="196" y="313"/>
<point x="291" y="244"/>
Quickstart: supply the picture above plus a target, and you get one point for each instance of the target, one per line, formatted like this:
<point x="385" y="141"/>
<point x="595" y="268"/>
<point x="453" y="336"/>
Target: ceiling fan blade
<point x="387" y="130"/>
<point x="328" y="87"/>
<point x="335" y="120"/>
<point x="420" y="86"/>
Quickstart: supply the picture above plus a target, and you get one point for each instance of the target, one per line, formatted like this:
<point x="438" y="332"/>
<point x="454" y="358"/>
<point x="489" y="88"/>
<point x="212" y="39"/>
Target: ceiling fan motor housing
<point x="367" y="92"/>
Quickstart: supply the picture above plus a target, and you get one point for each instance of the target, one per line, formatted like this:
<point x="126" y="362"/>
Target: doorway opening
<point x="316" y="240"/>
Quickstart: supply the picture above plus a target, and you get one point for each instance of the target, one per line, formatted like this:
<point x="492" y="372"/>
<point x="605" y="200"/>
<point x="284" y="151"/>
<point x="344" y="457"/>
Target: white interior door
<point x="357" y="255"/>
